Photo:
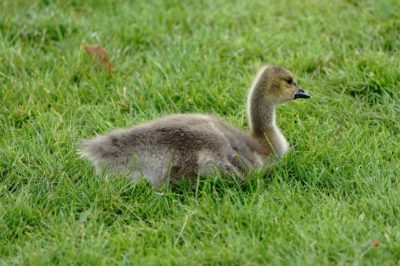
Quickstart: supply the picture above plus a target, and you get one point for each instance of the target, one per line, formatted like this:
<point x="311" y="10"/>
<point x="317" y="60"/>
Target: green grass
<point x="335" y="192"/>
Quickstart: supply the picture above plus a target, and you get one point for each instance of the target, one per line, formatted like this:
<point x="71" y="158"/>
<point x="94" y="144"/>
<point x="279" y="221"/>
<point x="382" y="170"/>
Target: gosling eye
<point x="289" y="81"/>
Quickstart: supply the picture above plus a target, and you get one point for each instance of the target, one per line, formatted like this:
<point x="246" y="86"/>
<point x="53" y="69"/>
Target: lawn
<point x="334" y="199"/>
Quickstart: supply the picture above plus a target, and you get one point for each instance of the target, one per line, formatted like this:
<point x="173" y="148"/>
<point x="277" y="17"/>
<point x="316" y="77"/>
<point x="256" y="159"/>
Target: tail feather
<point x="101" y="148"/>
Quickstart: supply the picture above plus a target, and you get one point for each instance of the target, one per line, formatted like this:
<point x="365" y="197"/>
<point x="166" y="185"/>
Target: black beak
<point x="300" y="93"/>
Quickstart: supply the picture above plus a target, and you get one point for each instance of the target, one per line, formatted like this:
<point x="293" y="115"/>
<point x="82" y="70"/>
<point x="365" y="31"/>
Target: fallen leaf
<point x="374" y="242"/>
<point x="98" y="53"/>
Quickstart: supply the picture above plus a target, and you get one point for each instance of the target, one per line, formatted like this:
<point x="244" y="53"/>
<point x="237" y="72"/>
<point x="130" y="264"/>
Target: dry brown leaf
<point x="374" y="242"/>
<point x="98" y="53"/>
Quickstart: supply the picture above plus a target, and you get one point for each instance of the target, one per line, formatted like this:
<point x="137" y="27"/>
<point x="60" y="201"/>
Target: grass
<point x="334" y="199"/>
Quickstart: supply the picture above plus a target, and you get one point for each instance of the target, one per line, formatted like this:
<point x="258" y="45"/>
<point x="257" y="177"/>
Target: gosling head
<point x="277" y="85"/>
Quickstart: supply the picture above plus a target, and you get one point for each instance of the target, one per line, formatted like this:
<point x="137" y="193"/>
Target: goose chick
<point x="187" y="145"/>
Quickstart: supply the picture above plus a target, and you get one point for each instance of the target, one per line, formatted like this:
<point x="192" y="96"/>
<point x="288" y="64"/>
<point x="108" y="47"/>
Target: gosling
<point x="191" y="145"/>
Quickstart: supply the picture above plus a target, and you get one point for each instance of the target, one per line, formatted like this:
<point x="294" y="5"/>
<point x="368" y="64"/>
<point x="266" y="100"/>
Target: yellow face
<point x="282" y="86"/>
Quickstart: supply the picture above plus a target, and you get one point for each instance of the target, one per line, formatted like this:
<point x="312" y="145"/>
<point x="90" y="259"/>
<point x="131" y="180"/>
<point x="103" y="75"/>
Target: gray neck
<point x="262" y="118"/>
<point x="263" y="122"/>
<point x="261" y="115"/>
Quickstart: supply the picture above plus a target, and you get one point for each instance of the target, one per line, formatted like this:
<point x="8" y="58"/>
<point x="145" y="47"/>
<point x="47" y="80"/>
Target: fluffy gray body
<point x="176" y="146"/>
<point x="188" y="145"/>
